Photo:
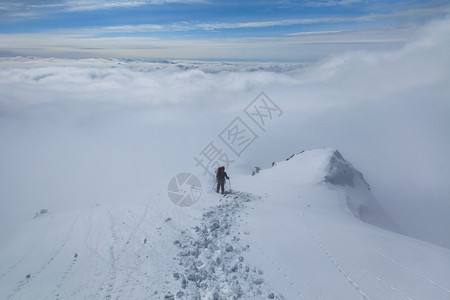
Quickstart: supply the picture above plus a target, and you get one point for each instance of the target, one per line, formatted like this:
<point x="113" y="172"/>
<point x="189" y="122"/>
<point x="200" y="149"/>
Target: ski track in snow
<point x="333" y="260"/>
<point x="216" y="242"/>
<point x="210" y="259"/>
<point x="130" y="252"/>
<point x="130" y="279"/>
<point x="24" y="283"/>
<point x="384" y="283"/>
<point x="93" y="252"/>
<point x="374" y="278"/>
<point x="409" y="270"/>
<point x="283" y="271"/>
<point x="211" y="256"/>
<point x="59" y="286"/>
<point x="108" y="284"/>
<point x="26" y="254"/>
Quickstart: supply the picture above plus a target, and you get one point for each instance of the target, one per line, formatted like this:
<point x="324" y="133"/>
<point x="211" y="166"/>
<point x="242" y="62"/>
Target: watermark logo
<point x="211" y="158"/>
<point x="184" y="189"/>
<point x="238" y="136"/>
<point x="262" y="110"/>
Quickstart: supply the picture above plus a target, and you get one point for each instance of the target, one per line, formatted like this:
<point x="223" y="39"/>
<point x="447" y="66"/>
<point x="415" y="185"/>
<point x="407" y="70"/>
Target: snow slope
<point x="311" y="246"/>
<point x="290" y="233"/>
<point x="97" y="253"/>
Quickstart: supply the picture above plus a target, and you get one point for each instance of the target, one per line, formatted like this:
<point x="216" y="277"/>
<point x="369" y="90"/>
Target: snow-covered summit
<point x="306" y="234"/>
<point x="327" y="167"/>
<point x="317" y="166"/>
<point x="341" y="172"/>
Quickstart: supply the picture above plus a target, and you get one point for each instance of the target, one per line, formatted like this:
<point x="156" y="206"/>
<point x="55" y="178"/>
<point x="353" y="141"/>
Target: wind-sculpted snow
<point x="328" y="166"/>
<point x="341" y="172"/>
<point x="342" y="175"/>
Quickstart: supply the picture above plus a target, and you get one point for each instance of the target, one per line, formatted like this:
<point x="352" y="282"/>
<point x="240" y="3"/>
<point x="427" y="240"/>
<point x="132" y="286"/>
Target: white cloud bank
<point x="78" y="132"/>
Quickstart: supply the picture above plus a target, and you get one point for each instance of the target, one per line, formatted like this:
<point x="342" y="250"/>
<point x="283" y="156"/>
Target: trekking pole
<point x="213" y="185"/>
<point x="229" y="182"/>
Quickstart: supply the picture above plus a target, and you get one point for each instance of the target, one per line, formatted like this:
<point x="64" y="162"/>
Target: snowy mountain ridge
<point x="328" y="167"/>
<point x="290" y="233"/>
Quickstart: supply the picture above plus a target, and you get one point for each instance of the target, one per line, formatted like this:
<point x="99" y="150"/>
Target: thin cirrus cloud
<point x="358" y="10"/>
<point x="332" y="3"/>
<point x="100" y="5"/>
<point x="188" y="26"/>
<point x="23" y="10"/>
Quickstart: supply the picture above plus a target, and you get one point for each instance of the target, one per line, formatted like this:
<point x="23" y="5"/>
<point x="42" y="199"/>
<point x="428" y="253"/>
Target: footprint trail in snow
<point x="211" y="256"/>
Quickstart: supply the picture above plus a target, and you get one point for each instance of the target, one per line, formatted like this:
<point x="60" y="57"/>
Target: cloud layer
<point x="305" y="47"/>
<point x="78" y="132"/>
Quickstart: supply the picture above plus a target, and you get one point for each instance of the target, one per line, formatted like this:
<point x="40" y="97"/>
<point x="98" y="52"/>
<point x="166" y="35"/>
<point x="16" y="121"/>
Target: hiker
<point x="221" y="175"/>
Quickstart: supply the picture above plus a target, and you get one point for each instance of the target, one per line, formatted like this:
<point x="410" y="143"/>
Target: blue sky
<point x="116" y="28"/>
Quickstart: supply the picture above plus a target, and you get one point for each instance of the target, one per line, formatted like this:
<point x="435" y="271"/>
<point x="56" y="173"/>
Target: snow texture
<point x="211" y="255"/>
<point x="291" y="233"/>
<point x="362" y="204"/>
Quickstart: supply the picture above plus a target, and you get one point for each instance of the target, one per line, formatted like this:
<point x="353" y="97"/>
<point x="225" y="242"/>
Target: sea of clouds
<point x="79" y="132"/>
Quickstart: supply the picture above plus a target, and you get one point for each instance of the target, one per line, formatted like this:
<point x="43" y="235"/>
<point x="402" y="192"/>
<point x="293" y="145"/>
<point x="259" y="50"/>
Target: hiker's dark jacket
<point x="221" y="175"/>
